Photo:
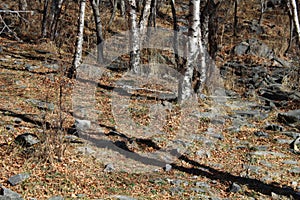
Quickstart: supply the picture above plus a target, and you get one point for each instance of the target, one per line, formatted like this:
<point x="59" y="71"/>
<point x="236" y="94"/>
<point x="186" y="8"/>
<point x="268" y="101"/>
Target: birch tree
<point x="185" y="84"/>
<point x="293" y="4"/>
<point x="79" y="40"/>
<point x="134" y="37"/>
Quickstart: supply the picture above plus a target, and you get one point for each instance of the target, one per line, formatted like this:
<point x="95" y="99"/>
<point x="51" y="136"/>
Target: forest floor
<point x="223" y="151"/>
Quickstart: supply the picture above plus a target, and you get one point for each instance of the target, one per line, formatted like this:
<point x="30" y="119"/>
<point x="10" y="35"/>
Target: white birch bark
<point x="185" y="85"/>
<point x="296" y="18"/>
<point x="134" y="37"/>
<point x="79" y="40"/>
<point x="145" y="17"/>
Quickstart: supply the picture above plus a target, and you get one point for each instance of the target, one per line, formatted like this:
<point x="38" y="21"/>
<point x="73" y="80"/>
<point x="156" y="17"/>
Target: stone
<point x="235" y="188"/>
<point x="109" y="168"/>
<point x="19" y="178"/>
<point x="261" y="134"/>
<point x="295" y="145"/>
<point x="18" y="120"/>
<point x="168" y="167"/>
<point x="290" y="162"/>
<point x="241" y="48"/>
<point x="290" y="117"/>
<point x="27" y="139"/>
<point x="82" y="124"/>
<point x="7" y="194"/>
<point x="41" y="104"/>
<point x="274" y="127"/>
<point x="30" y="68"/>
<point x="56" y="198"/>
<point x="295" y="170"/>
<point x="122" y="197"/>
<point x="268" y="153"/>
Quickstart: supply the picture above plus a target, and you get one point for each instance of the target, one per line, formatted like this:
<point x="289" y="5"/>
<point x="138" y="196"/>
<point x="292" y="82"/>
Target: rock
<point x="56" y="198"/>
<point x="109" y="168"/>
<point x="202" y="153"/>
<point x="30" y="68"/>
<point x="274" y="127"/>
<point x="295" y="170"/>
<point x="241" y="48"/>
<point x="9" y="128"/>
<point x="52" y="66"/>
<point x="176" y="190"/>
<point x="27" y="139"/>
<point x="41" y="104"/>
<point x="292" y="134"/>
<point x="261" y="134"/>
<point x="16" y="179"/>
<point x="72" y="139"/>
<point x="267" y="153"/>
<point x="122" y="197"/>
<point x="254" y="47"/>
<point x="168" y="167"/>
<point x="82" y="124"/>
<point x="18" y="120"/>
<point x="7" y="194"/>
<point x="235" y="188"/>
<point x="295" y="145"/>
<point x="290" y="117"/>
<point x="290" y="162"/>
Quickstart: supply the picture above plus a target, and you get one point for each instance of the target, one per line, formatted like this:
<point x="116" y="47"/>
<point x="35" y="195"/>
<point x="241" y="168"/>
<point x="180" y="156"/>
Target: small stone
<point x="82" y="124"/>
<point x="18" y="120"/>
<point x="274" y="127"/>
<point x="168" y="167"/>
<point x="295" y="170"/>
<point x="261" y="134"/>
<point x="27" y="139"/>
<point x="16" y="179"/>
<point x="56" y="198"/>
<point x="109" y="168"/>
<point x="235" y="188"/>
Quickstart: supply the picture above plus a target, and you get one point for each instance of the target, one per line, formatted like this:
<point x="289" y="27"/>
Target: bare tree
<point x="98" y="24"/>
<point x="134" y="37"/>
<point x="293" y="4"/>
<point x="79" y="41"/>
<point x="185" y="84"/>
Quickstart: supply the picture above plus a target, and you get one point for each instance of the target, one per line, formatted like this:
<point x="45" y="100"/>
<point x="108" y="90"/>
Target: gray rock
<point x="56" y="198"/>
<point x="168" y="167"/>
<point x="293" y="135"/>
<point x="241" y="48"/>
<point x="274" y="127"/>
<point x="109" y="168"/>
<point x="290" y="162"/>
<point x="235" y="188"/>
<point x="9" y="128"/>
<point x="30" y="68"/>
<point x="16" y="179"/>
<point x="18" y="120"/>
<point x="7" y="194"/>
<point x="261" y="134"/>
<point x="295" y="170"/>
<point x="82" y="124"/>
<point x="27" y="139"/>
<point x="176" y="190"/>
<point x="290" y="117"/>
<point x="41" y="104"/>
<point x="52" y="66"/>
<point x="268" y="153"/>
<point x="122" y="197"/>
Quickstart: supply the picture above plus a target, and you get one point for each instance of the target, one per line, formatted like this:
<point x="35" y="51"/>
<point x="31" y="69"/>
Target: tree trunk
<point x="56" y="10"/>
<point x="296" y="19"/>
<point x="145" y="16"/>
<point x="79" y="41"/>
<point x="44" y="20"/>
<point x="152" y="17"/>
<point x="134" y="37"/>
<point x="175" y="37"/>
<point x="185" y="84"/>
<point x="98" y="24"/>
